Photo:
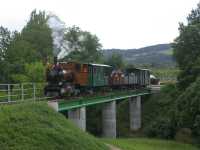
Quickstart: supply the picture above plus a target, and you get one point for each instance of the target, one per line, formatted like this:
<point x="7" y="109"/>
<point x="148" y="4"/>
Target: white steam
<point x="58" y="32"/>
<point x="62" y="47"/>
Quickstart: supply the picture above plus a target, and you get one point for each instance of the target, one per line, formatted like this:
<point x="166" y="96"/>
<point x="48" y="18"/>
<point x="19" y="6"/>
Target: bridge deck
<point x="63" y="105"/>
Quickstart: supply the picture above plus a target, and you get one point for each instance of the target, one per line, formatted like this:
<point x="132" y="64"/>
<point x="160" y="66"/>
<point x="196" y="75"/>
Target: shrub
<point x="161" y="128"/>
<point x="184" y="135"/>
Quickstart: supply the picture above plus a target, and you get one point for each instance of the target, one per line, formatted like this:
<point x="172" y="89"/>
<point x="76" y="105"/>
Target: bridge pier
<point x="109" y="119"/>
<point x="135" y="113"/>
<point x="78" y="117"/>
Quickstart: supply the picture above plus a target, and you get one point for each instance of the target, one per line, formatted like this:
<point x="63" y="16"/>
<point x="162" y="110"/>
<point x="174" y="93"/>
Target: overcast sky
<point x="117" y="23"/>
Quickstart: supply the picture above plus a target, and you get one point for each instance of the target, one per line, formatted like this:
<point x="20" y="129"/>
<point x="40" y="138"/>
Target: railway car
<point x="117" y="78"/>
<point x="132" y="75"/>
<point x="144" y="77"/>
<point x="137" y="78"/>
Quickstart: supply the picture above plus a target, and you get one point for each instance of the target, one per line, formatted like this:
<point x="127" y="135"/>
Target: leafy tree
<point x="194" y="16"/>
<point x="187" y="45"/>
<point x="21" y="51"/>
<point x="33" y="72"/>
<point x="17" y="54"/>
<point x="33" y="44"/>
<point x="84" y="46"/>
<point x="115" y="60"/>
<point x="187" y="48"/>
<point x="38" y="33"/>
<point x="181" y="107"/>
<point x="5" y="38"/>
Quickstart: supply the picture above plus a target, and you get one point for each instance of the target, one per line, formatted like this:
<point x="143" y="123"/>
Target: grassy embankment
<point x="33" y="126"/>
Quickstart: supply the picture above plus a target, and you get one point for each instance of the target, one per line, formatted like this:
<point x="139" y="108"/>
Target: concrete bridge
<point x="77" y="110"/>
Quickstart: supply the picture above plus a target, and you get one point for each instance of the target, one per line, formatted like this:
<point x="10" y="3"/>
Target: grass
<point x="34" y="126"/>
<point x="168" y="52"/>
<point x="166" y="74"/>
<point x="148" y="144"/>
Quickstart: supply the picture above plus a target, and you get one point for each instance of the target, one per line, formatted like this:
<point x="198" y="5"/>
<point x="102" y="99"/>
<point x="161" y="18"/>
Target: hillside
<point x="34" y="126"/>
<point x="156" y="55"/>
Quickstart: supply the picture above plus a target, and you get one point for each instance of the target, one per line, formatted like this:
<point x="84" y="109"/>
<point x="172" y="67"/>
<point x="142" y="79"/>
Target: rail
<point x="11" y="93"/>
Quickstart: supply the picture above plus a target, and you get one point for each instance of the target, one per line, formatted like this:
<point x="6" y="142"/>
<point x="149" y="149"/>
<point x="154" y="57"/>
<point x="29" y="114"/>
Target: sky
<point x="121" y="24"/>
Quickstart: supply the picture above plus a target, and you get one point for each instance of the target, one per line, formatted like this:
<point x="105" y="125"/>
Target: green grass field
<point x="148" y="144"/>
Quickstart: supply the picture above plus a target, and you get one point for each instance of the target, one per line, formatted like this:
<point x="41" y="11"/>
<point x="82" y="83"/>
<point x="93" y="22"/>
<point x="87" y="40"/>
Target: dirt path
<point x="112" y="147"/>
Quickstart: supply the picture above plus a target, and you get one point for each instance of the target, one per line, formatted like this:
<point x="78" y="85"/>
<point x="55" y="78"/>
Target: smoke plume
<point x="58" y="32"/>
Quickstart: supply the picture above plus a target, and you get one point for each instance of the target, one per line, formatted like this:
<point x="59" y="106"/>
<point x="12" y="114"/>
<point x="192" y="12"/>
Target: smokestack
<point x="55" y="59"/>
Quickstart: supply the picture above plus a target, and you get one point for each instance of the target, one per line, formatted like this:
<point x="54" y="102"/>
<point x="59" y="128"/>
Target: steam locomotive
<point x="72" y="78"/>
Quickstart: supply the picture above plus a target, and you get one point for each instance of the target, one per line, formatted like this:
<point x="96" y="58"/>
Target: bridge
<point x="64" y="105"/>
<point x="76" y="107"/>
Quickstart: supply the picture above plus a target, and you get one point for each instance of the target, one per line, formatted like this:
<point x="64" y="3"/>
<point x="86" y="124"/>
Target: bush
<point x="188" y="106"/>
<point x="184" y="135"/>
<point x="161" y="128"/>
<point x="161" y="107"/>
<point x="196" y="128"/>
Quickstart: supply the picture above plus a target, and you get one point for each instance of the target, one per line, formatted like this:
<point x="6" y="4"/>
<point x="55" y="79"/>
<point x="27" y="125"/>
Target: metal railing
<point x="22" y="92"/>
<point x="167" y="79"/>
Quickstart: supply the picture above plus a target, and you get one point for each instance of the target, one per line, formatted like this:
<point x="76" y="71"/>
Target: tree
<point x="21" y="51"/>
<point x="84" y="46"/>
<point x="194" y="16"/>
<point x="38" y="33"/>
<point x="5" y="38"/>
<point x="187" y="48"/>
<point x="33" y="72"/>
<point x="115" y="60"/>
<point x="32" y="44"/>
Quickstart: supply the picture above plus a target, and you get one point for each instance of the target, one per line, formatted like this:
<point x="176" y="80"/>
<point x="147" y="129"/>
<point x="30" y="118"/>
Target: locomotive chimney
<point x="55" y="60"/>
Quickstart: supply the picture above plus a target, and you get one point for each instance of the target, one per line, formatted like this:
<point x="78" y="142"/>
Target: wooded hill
<point x="156" y="56"/>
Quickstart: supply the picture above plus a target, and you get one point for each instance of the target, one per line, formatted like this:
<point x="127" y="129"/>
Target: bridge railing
<point x="21" y="92"/>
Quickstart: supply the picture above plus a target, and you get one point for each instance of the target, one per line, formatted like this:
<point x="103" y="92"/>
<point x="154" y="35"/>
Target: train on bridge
<point x="73" y="78"/>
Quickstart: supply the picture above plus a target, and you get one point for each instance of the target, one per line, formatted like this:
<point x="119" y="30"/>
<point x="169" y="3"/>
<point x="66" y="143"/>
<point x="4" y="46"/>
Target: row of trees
<point x="23" y="55"/>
